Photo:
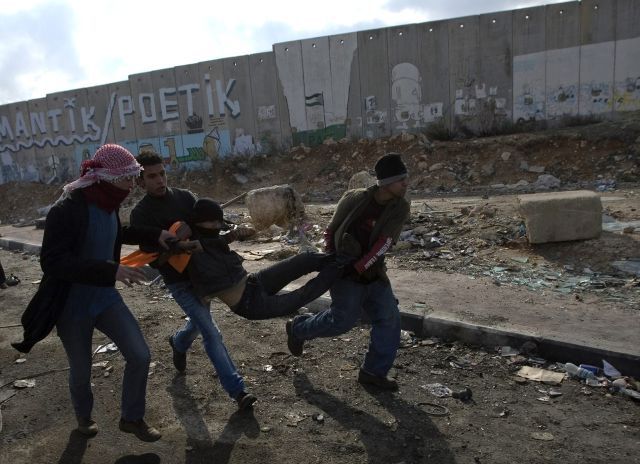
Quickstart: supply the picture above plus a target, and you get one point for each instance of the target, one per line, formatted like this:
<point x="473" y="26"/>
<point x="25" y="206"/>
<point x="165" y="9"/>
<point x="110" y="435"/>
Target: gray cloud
<point x="40" y="39"/>
<point x="459" y="8"/>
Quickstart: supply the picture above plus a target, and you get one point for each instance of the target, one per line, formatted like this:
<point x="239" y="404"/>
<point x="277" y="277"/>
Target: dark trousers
<point x="3" y="277"/>
<point x="261" y="300"/>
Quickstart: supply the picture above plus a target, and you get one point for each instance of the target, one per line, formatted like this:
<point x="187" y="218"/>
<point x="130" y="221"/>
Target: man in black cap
<point x="364" y="226"/>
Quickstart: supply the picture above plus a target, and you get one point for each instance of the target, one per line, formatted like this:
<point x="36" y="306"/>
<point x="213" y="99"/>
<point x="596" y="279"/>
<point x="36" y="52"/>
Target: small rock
<point x="505" y="156"/>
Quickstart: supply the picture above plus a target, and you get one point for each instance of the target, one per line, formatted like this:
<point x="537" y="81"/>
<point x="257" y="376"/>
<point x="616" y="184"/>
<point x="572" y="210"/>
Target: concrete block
<point x="561" y="216"/>
<point x="280" y="205"/>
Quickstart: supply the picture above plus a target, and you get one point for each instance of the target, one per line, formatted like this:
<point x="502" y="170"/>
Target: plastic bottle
<point x="579" y="372"/>
<point x="595" y="369"/>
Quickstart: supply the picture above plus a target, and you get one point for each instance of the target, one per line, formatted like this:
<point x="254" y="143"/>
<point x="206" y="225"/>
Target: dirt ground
<point x="311" y="408"/>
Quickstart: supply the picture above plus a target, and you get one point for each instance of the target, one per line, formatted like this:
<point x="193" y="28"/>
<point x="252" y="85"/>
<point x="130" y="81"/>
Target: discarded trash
<point x="630" y="266"/>
<point x="106" y="348"/>
<point x="437" y="389"/>
<point x="462" y="395"/>
<point x="434" y="409"/>
<point x="609" y="370"/>
<point x="579" y="372"/>
<point x="20" y="360"/>
<point x="595" y="369"/>
<point x="293" y="419"/>
<point x="540" y="375"/>
<point x="508" y="351"/>
<point x="544" y="436"/>
<point x="24" y="383"/>
<point x="630" y="393"/>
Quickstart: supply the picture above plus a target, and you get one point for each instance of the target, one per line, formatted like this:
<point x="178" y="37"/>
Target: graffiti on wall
<point x="627" y="73"/>
<point x="562" y="82"/>
<point x="406" y="93"/>
<point x="596" y="78"/>
<point x="87" y="130"/>
<point x="529" y="87"/>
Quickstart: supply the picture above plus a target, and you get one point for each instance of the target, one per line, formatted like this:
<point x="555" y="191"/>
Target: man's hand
<point x="130" y="275"/>
<point x="166" y="236"/>
<point x="189" y="246"/>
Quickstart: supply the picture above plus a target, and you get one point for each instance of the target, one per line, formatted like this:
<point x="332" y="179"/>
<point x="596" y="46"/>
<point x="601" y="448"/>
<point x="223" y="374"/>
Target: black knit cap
<point x="390" y="169"/>
<point x="205" y="209"/>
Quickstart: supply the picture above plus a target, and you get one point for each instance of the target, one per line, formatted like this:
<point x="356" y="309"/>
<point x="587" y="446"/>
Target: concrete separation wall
<point x="470" y="74"/>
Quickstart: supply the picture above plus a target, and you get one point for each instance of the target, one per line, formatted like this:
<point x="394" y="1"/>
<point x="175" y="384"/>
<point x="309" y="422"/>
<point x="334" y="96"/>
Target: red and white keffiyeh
<point x="110" y="163"/>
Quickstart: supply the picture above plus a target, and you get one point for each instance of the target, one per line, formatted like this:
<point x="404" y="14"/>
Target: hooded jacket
<point x="389" y="225"/>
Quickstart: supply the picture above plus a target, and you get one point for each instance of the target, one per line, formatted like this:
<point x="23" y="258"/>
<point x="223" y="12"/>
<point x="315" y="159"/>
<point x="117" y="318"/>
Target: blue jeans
<point x="261" y="300"/>
<point x="117" y="323"/>
<point x="348" y="300"/>
<point x="201" y="322"/>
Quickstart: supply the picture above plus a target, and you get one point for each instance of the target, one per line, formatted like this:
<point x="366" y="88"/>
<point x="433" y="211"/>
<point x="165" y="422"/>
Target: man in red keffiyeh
<point x="80" y="258"/>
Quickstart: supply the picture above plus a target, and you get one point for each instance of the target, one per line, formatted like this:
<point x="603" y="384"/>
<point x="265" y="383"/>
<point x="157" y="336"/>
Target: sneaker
<point x="384" y="383"/>
<point x="179" y="359"/>
<point x="140" y="429"/>
<point x="296" y="346"/>
<point x="245" y="400"/>
<point x="87" y="427"/>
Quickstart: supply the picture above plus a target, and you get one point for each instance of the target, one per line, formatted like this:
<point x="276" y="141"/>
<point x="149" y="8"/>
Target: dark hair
<point x="148" y="158"/>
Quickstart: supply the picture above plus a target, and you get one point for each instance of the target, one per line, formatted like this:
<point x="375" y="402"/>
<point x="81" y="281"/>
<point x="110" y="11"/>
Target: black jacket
<point x="216" y="268"/>
<point x="62" y="264"/>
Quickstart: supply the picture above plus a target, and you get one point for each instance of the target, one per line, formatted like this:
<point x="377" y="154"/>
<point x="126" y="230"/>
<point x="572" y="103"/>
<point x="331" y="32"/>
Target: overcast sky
<point x="49" y="46"/>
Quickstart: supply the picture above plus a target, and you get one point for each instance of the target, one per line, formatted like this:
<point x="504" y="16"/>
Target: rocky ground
<point x="464" y="221"/>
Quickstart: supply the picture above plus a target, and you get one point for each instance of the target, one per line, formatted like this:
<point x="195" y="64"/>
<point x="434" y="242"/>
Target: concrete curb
<point x="452" y="330"/>
<point x="489" y="337"/>
<point x="11" y="244"/>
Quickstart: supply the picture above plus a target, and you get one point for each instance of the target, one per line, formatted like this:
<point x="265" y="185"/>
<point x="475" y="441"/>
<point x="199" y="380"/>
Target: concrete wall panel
<point x="262" y="69"/>
<point x="529" y="31"/>
<point x="627" y="75"/>
<point x="18" y="136"/>
<point x="76" y="132"/>
<point x="237" y="105"/>
<point x="596" y="78"/>
<point x="464" y="71"/>
<point x="406" y="81"/>
<point x="563" y="59"/>
<point x="38" y="164"/>
<point x="563" y="67"/>
<point x="433" y="65"/>
<point x="146" y="111"/>
<point x="627" y="19"/>
<point x="597" y="21"/>
<point x="291" y="90"/>
<point x="494" y="89"/>
<point x="169" y="120"/>
<point x="102" y="104"/>
<point x="563" y="25"/>
<point x="318" y="92"/>
<point x="374" y="82"/>
<point x="123" y="116"/>
<point x="529" y="84"/>
<point x="192" y="116"/>
<point x="217" y="140"/>
<point x="345" y="83"/>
